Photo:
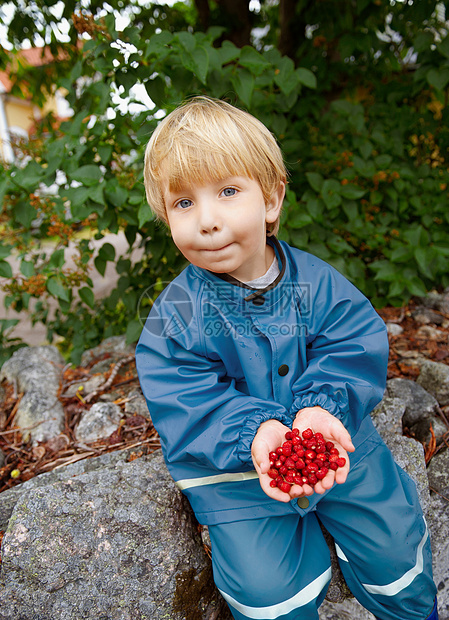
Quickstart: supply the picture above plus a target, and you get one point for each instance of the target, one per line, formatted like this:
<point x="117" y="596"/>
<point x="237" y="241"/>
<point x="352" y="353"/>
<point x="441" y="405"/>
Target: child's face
<point x="221" y="225"/>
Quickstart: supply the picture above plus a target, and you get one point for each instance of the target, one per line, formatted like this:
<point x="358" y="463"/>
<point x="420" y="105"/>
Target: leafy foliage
<point x="359" y="107"/>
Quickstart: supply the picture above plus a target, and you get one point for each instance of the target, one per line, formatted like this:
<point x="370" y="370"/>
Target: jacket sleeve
<point x="195" y="407"/>
<point x="347" y="349"/>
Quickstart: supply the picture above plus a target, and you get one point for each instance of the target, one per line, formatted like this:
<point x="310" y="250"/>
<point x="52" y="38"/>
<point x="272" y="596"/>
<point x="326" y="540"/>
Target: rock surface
<point x="116" y="543"/>
<point x="101" y="420"/>
<point x="36" y="371"/>
<point x="434" y="377"/>
<point x="421" y="408"/>
<point x="112" y="538"/>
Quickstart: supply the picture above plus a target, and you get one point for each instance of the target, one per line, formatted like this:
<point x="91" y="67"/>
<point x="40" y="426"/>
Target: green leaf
<point x="299" y="219"/>
<point x="55" y="288"/>
<point x="396" y="288"/>
<point x="315" y="180"/>
<point x="57" y="259"/>
<point x="243" y="82"/>
<point x="88" y="175"/>
<point x="118" y="195"/>
<point x="27" y="268"/>
<point x="285" y="76"/>
<point x="443" y="47"/>
<point x="386" y="271"/>
<point x="423" y="42"/>
<point x="133" y="331"/>
<point x="24" y="213"/>
<point x="252" y="60"/>
<point x="197" y="61"/>
<point x="330" y="193"/>
<point x="100" y="265"/>
<point x="438" y="78"/>
<point x="306" y="77"/>
<point x="5" y="269"/>
<point x="107" y="252"/>
<point x="416" y="286"/>
<point x="86" y="294"/>
<point x="105" y="152"/>
<point x="351" y="191"/>
<point x="156" y="90"/>
<point x="366" y="148"/>
<point x="144" y="214"/>
<point x="158" y="43"/>
<point x="5" y="250"/>
<point x="187" y="40"/>
<point x="424" y="257"/>
<point x="228" y="51"/>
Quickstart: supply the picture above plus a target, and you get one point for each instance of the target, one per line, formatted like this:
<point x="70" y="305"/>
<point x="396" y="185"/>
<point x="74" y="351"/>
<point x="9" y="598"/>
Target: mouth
<point x="220" y="249"/>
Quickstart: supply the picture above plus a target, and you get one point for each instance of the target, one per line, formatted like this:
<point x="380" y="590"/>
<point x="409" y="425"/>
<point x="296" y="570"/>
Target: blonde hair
<point x="208" y="139"/>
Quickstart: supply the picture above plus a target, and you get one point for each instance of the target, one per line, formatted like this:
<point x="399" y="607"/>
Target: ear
<point x="274" y="204"/>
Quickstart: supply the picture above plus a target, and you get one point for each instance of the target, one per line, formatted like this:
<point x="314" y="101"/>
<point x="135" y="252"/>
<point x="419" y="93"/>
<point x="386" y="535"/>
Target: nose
<point x="209" y="218"/>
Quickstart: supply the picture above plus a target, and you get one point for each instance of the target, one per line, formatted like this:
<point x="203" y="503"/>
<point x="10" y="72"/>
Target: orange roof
<point x="34" y="56"/>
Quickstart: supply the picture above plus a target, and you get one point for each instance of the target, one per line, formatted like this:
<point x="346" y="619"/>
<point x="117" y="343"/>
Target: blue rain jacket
<point x="216" y="359"/>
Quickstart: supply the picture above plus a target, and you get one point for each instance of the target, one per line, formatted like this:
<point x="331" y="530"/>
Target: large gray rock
<point x="421" y="409"/>
<point x="37" y="372"/>
<point x="101" y="420"/>
<point x="434" y="377"/>
<point x="438" y="520"/>
<point x="115" y="347"/>
<point x="117" y="543"/>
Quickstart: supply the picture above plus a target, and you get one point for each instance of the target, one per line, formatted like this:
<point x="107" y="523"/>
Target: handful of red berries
<point x="302" y="460"/>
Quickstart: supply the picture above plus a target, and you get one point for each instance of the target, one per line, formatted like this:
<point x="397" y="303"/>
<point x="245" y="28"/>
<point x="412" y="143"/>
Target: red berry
<point x="307" y="434"/>
<point x="312" y="479"/>
<point x="285" y="486"/>
<point x="302" y="461"/>
<point x="321" y="473"/>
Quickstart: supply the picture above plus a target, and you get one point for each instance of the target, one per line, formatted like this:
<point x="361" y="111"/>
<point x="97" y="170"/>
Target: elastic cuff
<point x="313" y="399"/>
<point x="250" y="428"/>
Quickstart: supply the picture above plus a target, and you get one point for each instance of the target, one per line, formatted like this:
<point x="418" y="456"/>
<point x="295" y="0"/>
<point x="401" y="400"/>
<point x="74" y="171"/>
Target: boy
<point x="255" y="338"/>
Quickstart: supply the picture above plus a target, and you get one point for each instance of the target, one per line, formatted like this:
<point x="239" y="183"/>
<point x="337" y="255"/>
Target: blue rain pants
<point x="279" y="567"/>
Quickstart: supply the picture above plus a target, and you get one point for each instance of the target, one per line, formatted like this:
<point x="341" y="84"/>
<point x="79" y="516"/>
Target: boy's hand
<point x="271" y="435"/>
<point x="321" y="421"/>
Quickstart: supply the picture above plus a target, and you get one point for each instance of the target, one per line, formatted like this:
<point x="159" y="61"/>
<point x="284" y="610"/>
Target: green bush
<point x="368" y="168"/>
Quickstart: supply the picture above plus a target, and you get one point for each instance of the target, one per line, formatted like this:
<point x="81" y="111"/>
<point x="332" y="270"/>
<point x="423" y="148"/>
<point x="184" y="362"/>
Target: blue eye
<point x="185" y="203"/>
<point x="229" y="191"/>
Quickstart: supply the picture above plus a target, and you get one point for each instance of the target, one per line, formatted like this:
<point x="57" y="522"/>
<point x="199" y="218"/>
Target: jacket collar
<point x="240" y="292"/>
